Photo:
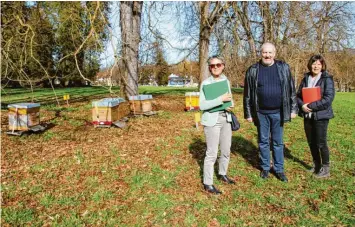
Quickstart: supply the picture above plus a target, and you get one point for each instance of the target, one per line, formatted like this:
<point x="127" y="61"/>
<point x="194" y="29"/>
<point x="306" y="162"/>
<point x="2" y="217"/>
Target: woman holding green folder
<point x="216" y="102"/>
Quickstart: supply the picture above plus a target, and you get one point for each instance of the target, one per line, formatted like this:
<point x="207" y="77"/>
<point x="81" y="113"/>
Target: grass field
<point x="47" y="96"/>
<point x="150" y="173"/>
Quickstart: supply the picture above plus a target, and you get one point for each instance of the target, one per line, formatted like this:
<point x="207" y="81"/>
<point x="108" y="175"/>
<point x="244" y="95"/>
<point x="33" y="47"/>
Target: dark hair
<point x="315" y="58"/>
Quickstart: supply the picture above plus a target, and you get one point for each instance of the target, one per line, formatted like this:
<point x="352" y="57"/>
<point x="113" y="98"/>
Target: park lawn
<point x="48" y="96"/>
<point x="150" y="173"/>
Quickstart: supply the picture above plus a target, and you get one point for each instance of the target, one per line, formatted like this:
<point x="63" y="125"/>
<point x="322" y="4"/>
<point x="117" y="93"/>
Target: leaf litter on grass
<point x="148" y="173"/>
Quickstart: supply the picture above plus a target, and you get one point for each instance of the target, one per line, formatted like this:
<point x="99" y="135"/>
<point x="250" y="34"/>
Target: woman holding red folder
<point x="317" y="113"/>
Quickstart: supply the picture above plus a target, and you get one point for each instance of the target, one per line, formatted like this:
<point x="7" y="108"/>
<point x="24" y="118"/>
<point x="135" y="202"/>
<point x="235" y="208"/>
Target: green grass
<point x="145" y="175"/>
<point x="46" y="96"/>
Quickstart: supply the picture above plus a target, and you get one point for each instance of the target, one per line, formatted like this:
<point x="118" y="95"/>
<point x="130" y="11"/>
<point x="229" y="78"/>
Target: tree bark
<point x="267" y="22"/>
<point x="243" y="17"/>
<point x="207" y="22"/>
<point x="205" y="33"/>
<point x="130" y="17"/>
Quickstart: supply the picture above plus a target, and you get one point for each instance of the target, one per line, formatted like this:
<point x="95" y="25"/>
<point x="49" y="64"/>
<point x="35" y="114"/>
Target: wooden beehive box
<point x="23" y="116"/>
<point x="123" y="106"/>
<point x="104" y="112"/>
<point x="140" y="104"/>
<point x="192" y="101"/>
<point x="108" y="110"/>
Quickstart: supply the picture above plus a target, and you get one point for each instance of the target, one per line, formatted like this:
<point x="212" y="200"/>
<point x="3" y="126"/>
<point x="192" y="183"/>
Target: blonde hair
<point x="216" y="57"/>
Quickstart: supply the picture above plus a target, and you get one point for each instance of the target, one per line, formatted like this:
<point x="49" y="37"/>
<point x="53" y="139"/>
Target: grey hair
<point x="216" y="57"/>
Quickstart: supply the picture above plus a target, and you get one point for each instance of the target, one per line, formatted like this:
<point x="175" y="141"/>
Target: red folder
<point x="311" y="94"/>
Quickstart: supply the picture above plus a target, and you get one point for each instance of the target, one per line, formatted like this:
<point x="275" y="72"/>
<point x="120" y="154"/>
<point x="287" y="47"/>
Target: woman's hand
<point x="306" y="109"/>
<point x="227" y="97"/>
<point x="229" y="109"/>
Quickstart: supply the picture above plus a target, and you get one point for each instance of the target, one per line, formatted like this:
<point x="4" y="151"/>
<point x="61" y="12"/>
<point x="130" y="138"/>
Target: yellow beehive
<point x="22" y="116"/>
<point x="192" y="100"/>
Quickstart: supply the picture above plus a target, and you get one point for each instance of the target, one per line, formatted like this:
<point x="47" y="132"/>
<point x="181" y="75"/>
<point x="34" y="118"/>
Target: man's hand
<point x="306" y="109"/>
<point x="229" y="109"/>
<point x="293" y="115"/>
<point x="250" y="119"/>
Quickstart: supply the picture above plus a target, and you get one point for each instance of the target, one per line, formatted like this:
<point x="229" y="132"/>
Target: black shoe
<point x="264" y="174"/>
<point x="212" y="189"/>
<point x="282" y="177"/>
<point x="226" y="179"/>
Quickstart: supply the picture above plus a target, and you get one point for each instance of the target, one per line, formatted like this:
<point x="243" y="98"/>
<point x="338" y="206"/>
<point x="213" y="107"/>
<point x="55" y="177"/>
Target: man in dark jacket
<point x="270" y="101"/>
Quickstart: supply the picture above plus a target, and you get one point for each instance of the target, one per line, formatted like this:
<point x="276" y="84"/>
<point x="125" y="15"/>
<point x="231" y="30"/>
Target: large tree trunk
<point x="242" y="13"/>
<point x="130" y="16"/>
<point x="267" y="21"/>
<point x="207" y="22"/>
<point x="205" y="33"/>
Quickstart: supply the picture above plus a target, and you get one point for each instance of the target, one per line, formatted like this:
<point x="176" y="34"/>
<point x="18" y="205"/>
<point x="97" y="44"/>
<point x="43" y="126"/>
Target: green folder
<point x="213" y="91"/>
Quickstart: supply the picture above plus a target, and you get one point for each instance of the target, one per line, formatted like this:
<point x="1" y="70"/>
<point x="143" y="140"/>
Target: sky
<point x="167" y="24"/>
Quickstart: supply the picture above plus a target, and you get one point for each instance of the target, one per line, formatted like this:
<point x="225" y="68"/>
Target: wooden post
<point x="197" y="119"/>
<point x="66" y="98"/>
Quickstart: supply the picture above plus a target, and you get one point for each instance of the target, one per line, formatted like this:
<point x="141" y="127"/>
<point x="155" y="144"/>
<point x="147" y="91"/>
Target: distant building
<point x="105" y="78"/>
<point x="181" y="81"/>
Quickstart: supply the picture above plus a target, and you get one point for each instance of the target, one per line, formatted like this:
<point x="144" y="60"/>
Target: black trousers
<point x="316" y="133"/>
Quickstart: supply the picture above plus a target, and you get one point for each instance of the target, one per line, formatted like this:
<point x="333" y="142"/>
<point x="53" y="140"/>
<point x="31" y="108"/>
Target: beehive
<point x="192" y="100"/>
<point x="108" y="110"/>
<point x="140" y="104"/>
<point x="22" y="116"/>
<point x="123" y="107"/>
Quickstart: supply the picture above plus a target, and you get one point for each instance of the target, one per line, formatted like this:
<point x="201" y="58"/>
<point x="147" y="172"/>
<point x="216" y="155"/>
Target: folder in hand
<point x="311" y="94"/>
<point x="213" y="91"/>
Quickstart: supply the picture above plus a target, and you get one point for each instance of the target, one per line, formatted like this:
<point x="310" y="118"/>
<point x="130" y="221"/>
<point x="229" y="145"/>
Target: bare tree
<point x="130" y="16"/>
<point x="207" y="22"/>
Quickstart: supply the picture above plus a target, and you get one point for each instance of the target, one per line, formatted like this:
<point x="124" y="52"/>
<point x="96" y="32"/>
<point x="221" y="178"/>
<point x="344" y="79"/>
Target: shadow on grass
<point x="239" y="146"/>
<point x="251" y="153"/>
<point x="246" y="149"/>
<point x="197" y="150"/>
<point x="288" y="155"/>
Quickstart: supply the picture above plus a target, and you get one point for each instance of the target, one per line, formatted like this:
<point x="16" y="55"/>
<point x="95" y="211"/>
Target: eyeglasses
<point x="218" y="65"/>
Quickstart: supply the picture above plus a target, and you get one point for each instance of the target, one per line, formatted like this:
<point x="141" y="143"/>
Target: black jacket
<point x="322" y="109"/>
<point x="288" y="90"/>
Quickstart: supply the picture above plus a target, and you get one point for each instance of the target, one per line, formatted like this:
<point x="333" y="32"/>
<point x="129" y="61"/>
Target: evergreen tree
<point x="27" y="43"/>
<point x="162" y="67"/>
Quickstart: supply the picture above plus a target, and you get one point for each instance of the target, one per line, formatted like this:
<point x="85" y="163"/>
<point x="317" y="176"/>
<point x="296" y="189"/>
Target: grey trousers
<point x="220" y="134"/>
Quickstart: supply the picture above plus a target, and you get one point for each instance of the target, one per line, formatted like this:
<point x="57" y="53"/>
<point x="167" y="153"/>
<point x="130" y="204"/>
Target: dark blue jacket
<point x="321" y="109"/>
<point x="288" y="90"/>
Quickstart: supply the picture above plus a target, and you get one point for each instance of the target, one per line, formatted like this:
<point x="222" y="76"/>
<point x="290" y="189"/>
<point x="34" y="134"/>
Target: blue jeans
<point x="271" y="123"/>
